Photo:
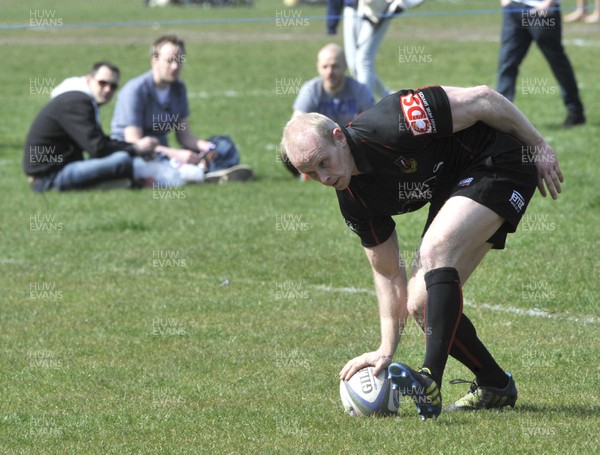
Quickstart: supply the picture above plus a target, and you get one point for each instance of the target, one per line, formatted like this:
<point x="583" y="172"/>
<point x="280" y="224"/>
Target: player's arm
<point x="482" y="104"/>
<point x="390" y="285"/>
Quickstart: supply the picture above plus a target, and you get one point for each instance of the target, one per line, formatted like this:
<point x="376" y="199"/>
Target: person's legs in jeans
<point x="548" y="37"/>
<point x="88" y="173"/>
<point x="514" y="44"/>
<point x="155" y="172"/>
<point x="368" y="42"/>
<point x="351" y="26"/>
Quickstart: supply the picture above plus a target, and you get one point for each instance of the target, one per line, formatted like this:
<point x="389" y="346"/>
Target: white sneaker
<point x="191" y="173"/>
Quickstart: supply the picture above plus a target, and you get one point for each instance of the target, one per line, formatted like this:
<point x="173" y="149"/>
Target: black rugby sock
<point x="442" y="316"/>
<point x="468" y="349"/>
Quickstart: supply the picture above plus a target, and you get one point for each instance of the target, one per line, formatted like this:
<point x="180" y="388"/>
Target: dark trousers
<point x="519" y="28"/>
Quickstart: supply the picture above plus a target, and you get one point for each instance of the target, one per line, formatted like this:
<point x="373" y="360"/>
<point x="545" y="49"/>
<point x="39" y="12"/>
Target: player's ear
<point x="337" y="134"/>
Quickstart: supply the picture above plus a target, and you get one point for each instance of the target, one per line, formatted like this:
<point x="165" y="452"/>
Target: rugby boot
<point x="419" y="386"/>
<point x="485" y="397"/>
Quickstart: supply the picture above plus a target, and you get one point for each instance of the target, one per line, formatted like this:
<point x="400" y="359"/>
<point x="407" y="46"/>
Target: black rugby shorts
<point x="504" y="181"/>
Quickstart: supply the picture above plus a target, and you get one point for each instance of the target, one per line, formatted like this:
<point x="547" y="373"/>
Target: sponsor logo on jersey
<point x="517" y="201"/>
<point x="406" y="165"/>
<point x="465" y="182"/>
<point x="417" y="113"/>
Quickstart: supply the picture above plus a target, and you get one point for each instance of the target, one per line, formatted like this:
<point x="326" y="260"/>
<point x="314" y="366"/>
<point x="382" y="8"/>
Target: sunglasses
<point x="112" y="85"/>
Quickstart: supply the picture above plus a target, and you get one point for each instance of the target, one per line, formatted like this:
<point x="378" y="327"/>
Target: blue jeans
<point x="361" y="44"/>
<point x="84" y="174"/>
<point x="519" y="28"/>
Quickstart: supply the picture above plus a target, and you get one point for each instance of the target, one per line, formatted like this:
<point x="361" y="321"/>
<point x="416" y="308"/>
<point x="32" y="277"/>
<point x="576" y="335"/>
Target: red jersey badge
<point x="415" y="114"/>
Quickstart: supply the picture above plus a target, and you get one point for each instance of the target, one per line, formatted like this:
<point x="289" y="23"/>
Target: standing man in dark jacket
<point x="69" y="125"/>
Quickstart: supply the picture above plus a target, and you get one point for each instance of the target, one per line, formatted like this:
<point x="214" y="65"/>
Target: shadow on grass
<point x="120" y="226"/>
<point x="575" y="410"/>
<point x="460" y="418"/>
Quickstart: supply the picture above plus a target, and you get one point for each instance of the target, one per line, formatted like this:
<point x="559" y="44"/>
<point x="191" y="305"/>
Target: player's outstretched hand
<point x="374" y="359"/>
<point x="548" y="170"/>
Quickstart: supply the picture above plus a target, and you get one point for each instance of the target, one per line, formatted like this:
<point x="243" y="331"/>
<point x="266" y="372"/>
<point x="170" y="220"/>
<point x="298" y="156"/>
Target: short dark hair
<point x="173" y="39"/>
<point x="96" y="66"/>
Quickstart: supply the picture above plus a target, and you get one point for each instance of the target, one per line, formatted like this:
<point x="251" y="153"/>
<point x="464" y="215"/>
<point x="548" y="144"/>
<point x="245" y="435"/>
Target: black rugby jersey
<point x="407" y="154"/>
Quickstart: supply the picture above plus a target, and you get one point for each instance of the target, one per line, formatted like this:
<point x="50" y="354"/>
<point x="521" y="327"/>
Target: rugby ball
<point x="365" y="394"/>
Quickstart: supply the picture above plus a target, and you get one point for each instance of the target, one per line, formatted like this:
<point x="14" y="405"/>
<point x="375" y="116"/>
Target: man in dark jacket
<point x="69" y="125"/>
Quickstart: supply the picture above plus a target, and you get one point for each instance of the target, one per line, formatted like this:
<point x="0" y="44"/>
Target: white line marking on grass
<point x="232" y="94"/>
<point x="264" y="93"/>
<point x="345" y="290"/>
<point x="532" y="312"/>
<point x="582" y="42"/>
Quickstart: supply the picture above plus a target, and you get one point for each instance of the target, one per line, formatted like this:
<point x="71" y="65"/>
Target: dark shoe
<point x="485" y="397"/>
<point x="574" y="119"/>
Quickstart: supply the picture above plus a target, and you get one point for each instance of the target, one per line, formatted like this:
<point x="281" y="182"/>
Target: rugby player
<point x="476" y="159"/>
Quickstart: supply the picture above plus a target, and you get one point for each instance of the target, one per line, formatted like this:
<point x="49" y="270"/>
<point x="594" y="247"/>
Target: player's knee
<point x="434" y="255"/>
<point x="416" y="308"/>
<point x="417" y="295"/>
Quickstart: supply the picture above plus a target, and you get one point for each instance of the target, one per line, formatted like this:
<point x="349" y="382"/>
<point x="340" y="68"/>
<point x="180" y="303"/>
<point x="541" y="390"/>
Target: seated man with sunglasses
<point x="69" y="125"/>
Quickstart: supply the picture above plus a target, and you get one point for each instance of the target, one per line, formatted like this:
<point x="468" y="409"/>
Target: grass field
<point x="215" y="319"/>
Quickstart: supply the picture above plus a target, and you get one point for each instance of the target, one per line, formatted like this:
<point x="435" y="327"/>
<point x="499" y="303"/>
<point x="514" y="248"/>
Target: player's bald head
<point x="303" y="134"/>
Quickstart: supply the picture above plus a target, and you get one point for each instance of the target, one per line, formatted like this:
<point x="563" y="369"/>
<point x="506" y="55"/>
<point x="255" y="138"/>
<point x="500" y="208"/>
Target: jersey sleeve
<point x="372" y="232"/>
<point x="405" y="118"/>
<point x="425" y="111"/>
<point x="372" y="229"/>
